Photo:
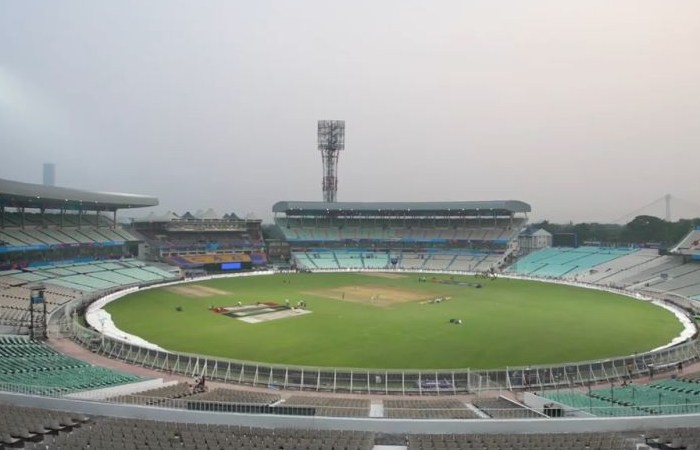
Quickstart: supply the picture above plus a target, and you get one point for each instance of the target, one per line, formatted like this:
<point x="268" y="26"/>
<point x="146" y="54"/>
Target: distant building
<point x="531" y="240"/>
<point x="202" y="239"/>
<point x="49" y="174"/>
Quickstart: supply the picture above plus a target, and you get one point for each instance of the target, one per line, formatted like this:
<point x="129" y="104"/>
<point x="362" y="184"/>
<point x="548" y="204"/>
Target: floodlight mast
<point x="331" y="140"/>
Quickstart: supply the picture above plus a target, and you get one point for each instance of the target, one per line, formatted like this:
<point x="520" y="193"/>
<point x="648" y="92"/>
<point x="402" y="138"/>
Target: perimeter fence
<point x="377" y="381"/>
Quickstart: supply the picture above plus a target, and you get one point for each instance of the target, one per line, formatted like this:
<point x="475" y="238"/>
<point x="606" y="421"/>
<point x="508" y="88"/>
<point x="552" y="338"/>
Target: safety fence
<point x="69" y="321"/>
<point x="376" y="381"/>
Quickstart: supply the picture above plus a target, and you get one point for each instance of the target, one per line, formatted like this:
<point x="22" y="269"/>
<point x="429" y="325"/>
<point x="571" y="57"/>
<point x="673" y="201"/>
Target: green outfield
<point x="394" y="321"/>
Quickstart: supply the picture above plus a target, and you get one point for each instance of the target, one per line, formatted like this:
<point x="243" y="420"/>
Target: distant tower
<point x="331" y="140"/>
<point x="667" y="198"/>
<point x="49" y="174"/>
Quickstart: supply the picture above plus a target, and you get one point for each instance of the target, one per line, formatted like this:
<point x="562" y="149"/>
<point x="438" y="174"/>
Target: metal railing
<point x="377" y="381"/>
<point x="430" y="411"/>
<point x="372" y="381"/>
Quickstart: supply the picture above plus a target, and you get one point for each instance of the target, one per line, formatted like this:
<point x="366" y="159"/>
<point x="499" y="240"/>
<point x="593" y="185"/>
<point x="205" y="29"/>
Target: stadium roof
<point x="15" y="194"/>
<point x="490" y="207"/>
<point x="167" y="217"/>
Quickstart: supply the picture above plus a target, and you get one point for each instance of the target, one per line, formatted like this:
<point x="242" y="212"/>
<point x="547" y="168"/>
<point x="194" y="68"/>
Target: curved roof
<point x="27" y="195"/>
<point x="498" y="206"/>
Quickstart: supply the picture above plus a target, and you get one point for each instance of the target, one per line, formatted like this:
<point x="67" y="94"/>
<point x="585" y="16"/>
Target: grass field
<point x="369" y="321"/>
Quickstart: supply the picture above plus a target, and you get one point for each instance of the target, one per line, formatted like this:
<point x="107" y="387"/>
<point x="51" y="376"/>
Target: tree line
<point x="641" y="230"/>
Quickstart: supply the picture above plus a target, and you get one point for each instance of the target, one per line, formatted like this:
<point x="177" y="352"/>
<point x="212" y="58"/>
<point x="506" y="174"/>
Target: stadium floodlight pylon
<point x="331" y="140"/>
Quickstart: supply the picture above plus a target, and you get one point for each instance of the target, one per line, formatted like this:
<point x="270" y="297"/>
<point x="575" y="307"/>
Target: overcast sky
<point x="587" y="110"/>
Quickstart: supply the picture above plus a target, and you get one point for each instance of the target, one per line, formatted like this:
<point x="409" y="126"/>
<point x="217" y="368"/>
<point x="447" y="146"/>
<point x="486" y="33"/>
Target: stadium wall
<point x="383" y="425"/>
<point x="417" y="382"/>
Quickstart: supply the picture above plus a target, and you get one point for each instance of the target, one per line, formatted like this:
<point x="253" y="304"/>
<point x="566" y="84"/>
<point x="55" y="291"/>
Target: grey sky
<point x="587" y="110"/>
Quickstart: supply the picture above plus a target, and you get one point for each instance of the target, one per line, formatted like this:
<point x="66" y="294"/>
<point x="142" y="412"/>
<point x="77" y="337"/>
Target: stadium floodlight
<point x="331" y="140"/>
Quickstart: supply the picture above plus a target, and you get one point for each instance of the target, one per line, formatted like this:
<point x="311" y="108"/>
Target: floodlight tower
<point x="331" y="140"/>
<point x="37" y="312"/>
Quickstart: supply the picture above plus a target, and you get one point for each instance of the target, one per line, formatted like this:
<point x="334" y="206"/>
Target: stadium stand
<point x="410" y="261"/>
<point x="186" y="393"/>
<point x="678" y="438"/>
<point x="594" y="405"/>
<point x="643" y="270"/>
<point x="563" y="261"/>
<point x="375" y="260"/>
<point x="37" y="221"/>
<point x="332" y="406"/>
<point x="79" y="276"/>
<point x="36" y="428"/>
<point x="632" y="269"/>
<point x="202" y="240"/>
<point x="460" y="236"/>
<point x="239" y="396"/>
<point x="571" y="441"/>
<point x="502" y="408"/>
<point x="101" y="231"/>
<point x="25" y="426"/>
<point x="690" y="245"/>
<point x="683" y="279"/>
<point x="428" y="409"/>
<point x="349" y="259"/>
<point x="429" y="239"/>
<point x="320" y="259"/>
<point x="64" y="240"/>
<point x="24" y="363"/>
<point x="616" y="269"/>
<point x="155" y="396"/>
<point x="668" y="396"/>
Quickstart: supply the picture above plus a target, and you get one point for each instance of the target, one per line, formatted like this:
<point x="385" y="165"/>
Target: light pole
<point x="36" y="297"/>
<point x="102" y="331"/>
<point x="612" y="392"/>
<point x="633" y="401"/>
